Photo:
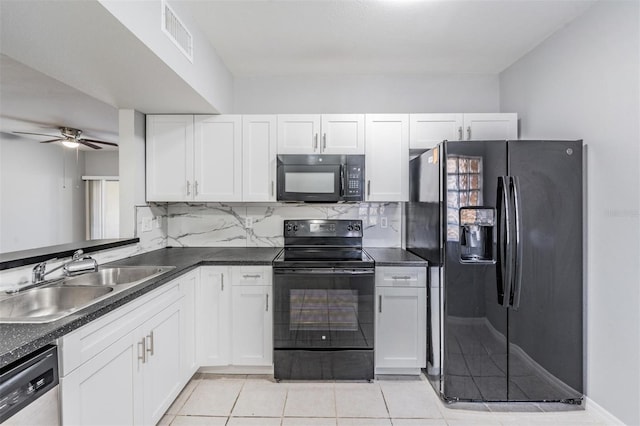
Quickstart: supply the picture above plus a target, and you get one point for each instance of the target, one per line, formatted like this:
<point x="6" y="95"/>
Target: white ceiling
<point x="266" y="37"/>
<point x="378" y="37"/>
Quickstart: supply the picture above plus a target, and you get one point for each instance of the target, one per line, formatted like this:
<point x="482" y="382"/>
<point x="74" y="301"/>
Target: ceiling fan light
<point x="70" y="144"/>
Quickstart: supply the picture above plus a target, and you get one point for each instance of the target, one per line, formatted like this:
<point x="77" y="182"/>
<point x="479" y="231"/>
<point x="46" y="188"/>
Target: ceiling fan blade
<point x="52" y="140"/>
<point x="84" y="142"/>
<point x="38" y="134"/>
<point x="96" y="141"/>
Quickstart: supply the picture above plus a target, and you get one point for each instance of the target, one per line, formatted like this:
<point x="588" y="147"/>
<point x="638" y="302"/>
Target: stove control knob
<point x="289" y="228"/>
<point x="349" y="228"/>
<point x="295" y="228"/>
<point x="357" y="227"/>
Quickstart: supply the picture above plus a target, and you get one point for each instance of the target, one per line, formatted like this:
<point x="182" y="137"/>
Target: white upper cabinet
<point x="321" y="134"/>
<point x="428" y="130"/>
<point x="342" y="134"/>
<point x="503" y="126"/>
<point x="298" y="134"/>
<point x="259" y="157"/>
<point x="218" y="158"/>
<point x="194" y="158"/>
<point x="169" y="157"/>
<point x="387" y="157"/>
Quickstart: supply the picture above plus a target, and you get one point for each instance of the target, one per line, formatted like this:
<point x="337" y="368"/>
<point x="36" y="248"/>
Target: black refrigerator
<point x="501" y="224"/>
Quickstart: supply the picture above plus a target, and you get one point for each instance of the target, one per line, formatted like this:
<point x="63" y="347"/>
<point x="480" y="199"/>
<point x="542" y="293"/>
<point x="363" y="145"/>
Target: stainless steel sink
<point x="59" y="298"/>
<point x="117" y="276"/>
<point x="48" y="304"/>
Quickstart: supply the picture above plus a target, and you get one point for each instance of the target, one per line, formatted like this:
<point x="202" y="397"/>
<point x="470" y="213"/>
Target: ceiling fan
<point x="70" y="138"/>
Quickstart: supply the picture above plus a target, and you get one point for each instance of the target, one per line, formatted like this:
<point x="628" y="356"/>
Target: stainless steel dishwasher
<point x="29" y="390"/>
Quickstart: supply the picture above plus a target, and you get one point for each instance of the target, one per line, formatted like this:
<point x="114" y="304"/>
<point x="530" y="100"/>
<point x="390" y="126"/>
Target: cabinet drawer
<point x="251" y="275"/>
<point x="401" y="276"/>
<point x="86" y="342"/>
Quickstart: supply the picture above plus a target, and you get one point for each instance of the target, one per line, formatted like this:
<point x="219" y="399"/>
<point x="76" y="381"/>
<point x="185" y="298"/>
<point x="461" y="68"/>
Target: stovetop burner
<point x="328" y="243"/>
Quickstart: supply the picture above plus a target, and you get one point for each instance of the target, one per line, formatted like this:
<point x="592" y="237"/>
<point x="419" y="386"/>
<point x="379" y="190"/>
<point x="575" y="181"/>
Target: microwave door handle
<point x="342" y="183"/>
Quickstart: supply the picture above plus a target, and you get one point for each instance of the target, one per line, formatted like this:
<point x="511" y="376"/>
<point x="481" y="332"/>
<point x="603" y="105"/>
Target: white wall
<point x="131" y="158"/>
<point x="41" y="195"/>
<point x="583" y="82"/>
<point x="365" y="93"/>
<point x="101" y="163"/>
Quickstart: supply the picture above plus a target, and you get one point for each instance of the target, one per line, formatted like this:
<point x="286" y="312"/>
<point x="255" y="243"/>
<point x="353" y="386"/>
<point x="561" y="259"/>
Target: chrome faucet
<point x="40" y="271"/>
<point x="78" y="264"/>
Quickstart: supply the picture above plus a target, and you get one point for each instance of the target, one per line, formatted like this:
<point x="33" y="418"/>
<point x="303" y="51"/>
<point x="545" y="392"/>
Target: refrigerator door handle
<point x="503" y="273"/>
<point x="514" y="186"/>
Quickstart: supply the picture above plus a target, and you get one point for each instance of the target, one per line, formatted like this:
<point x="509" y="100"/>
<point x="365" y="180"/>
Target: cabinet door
<point x="162" y="375"/>
<point x="107" y="389"/>
<point x="481" y="127"/>
<point x="299" y="134"/>
<point x="342" y="134"/>
<point x="252" y="325"/>
<point x="169" y="152"/>
<point x="401" y="326"/>
<point x="259" y="157"/>
<point x="213" y="316"/>
<point x="218" y="158"/>
<point x="387" y="157"/>
<point x="188" y="336"/>
<point x="428" y="130"/>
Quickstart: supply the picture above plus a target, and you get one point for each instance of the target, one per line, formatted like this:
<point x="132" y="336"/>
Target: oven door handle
<point x="323" y="271"/>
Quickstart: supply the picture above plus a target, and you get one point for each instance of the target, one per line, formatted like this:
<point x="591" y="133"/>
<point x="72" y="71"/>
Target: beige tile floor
<point x="239" y="400"/>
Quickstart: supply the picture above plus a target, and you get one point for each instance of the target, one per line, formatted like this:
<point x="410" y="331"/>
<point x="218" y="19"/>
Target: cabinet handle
<point x="324" y="141"/>
<point x="315" y="142"/>
<point x="188" y="188"/>
<point x="272" y="187"/>
<point x="143" y="342"/>
<point x="380" y="303"/>
<point x="151" y="345"/>
<point x="460" y="133"/>
<point x="221" y="282"/>
<point x="468" y="133"/>
<point x="245" y="276"/>
<point x="266" y="308"/>
<point x="195" y="187"/>
<point x="401" y="277"/>
<point x="368" y="188"/>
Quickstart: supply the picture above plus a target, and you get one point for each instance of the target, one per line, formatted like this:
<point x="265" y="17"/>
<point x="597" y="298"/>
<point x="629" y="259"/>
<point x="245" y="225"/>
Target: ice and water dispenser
<point x="477" y="234"/>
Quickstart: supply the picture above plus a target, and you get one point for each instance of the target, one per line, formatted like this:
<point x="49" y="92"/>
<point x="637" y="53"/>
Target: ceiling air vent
<point x="176" y="31"/>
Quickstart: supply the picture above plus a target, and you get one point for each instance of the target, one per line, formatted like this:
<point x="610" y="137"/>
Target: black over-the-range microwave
<point x="321" y="178"/>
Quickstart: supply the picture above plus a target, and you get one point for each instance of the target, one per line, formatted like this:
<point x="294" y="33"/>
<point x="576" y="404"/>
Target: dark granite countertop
<point x="18" y="340"/>
<point x="394" y="257"/>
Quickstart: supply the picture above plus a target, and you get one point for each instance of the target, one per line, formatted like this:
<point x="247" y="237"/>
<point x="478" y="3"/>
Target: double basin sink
<point x="59" y="298"/>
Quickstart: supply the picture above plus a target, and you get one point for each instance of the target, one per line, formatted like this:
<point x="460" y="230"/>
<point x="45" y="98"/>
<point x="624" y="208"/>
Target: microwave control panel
<point x="354" y="181"/>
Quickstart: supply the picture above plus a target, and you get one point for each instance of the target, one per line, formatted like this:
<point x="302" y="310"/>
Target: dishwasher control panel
<point x="26" y="380"/>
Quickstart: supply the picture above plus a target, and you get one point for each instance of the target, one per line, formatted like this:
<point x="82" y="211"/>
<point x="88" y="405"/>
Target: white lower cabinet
<point x="188" y="288"/>
<point x="106" y="390"/>
<point x="126" y="367"/>
<point x="252" y="325"/>
<point x="401" y="322"/>
<point x="234" y="317"/>
<point x="213" y="320"/>
<point x="161" y="363"/>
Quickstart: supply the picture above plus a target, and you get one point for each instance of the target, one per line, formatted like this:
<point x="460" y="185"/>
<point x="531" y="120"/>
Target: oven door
<point x="315" y="183"/>
<point x="323" y="308"/>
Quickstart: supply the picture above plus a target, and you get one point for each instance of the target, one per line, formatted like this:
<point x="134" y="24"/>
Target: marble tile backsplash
<point x="231" y="225"/>
<point x="260" y="225"/>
